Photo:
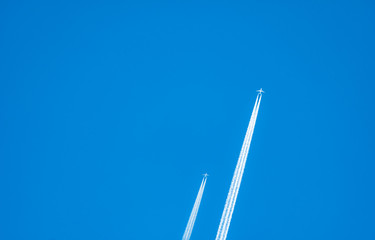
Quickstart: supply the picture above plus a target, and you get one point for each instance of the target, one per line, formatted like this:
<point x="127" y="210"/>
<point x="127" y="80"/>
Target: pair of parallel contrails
<point x="235" y="185"/>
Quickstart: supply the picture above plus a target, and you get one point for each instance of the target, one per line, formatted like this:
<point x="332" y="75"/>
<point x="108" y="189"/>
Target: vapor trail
<point x="194" y="212"/>
<point x="237" y="177"/>
<point x="241" y="173"/>
<point x="235" y="181"/>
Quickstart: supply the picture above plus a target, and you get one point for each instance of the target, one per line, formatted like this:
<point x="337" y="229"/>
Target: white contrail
<point x="236" y="185"/>
<point x="194" y="212"/>
<point x="197" y="207"/>
<point x="230" y="199"/>
<point x="232" y="196"/>
<point x="237" y="177"/>
<point x="241" y="173"/>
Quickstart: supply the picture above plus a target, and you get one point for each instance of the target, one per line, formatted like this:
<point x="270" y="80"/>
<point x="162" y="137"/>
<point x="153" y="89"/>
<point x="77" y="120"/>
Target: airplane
<point x="205" y="175"/>
<point x="260" y="91"/>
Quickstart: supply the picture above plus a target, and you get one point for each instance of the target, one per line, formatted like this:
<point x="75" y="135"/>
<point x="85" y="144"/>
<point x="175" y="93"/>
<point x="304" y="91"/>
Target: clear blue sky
<point x="111" y="111"/>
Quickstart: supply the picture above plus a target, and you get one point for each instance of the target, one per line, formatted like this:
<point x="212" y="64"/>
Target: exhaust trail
<point x="240" y="176"/>
<point x="196" y="209"/>
<point x="232" y="196"/>
<point x="194" y="212"/>
<point x="235" y="181"/>
<point x="237" y="177"/>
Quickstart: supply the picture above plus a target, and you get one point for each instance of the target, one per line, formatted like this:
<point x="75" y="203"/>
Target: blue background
<point x="111" y="111"/>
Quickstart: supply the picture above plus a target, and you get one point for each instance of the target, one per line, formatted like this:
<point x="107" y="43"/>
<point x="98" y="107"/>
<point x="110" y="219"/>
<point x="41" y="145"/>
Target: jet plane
<point x="205" y="175"/>
<point x="260" y="91"/>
